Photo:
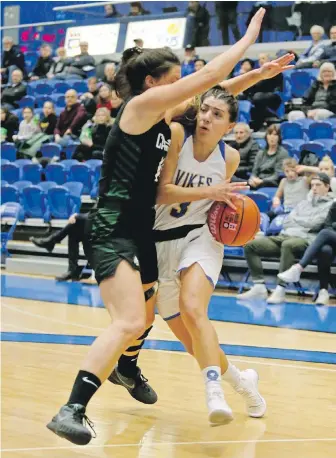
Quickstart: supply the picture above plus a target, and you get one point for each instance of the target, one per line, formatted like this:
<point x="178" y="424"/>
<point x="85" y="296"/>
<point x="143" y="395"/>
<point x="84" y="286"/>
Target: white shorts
<point x="175" y="255"/>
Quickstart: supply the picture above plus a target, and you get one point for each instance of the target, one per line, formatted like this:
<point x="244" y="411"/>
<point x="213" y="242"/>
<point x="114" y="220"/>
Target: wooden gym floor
<point x="46" y="328"/>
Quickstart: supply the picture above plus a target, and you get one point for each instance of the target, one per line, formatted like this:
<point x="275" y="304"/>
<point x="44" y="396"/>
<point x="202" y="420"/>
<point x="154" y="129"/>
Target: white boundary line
<point x="156" y="444"/>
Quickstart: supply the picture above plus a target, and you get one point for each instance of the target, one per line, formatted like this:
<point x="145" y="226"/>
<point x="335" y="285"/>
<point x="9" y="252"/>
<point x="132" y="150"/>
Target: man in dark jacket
<point x="227" y="16"/>
<point x="44" y="63"/>
<point x="329" y="52"/>
<point x="201" y="24"/>
<point x="247" y="147"/>
<point x="77" y="65"/>
<point x="71" y="120"/>
<point x="13" y="93"/>
<point x="12" y="59"/>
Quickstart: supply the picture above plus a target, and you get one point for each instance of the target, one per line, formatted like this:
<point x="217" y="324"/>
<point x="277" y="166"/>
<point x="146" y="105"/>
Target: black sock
<point x="85" y="386"/>
<point x="127" y="364"/>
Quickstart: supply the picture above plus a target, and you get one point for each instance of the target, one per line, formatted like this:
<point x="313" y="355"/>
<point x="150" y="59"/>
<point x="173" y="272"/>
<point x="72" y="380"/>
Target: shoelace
<point x="82" y="417"/>
<point x="143" y="381"/>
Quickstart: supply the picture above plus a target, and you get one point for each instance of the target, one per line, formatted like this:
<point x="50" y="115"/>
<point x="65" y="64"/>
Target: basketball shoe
<point x="248" y="389"/>
<point x="219" y="410"/>
<point x="137" y="387"/>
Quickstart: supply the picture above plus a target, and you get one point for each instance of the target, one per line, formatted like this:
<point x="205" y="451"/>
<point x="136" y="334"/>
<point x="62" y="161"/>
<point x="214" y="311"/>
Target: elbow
<point x="163" y="196"/>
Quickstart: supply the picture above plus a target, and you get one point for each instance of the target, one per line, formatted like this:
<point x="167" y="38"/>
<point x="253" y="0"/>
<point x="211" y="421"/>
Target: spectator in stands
<point x="137" y="9"/>
<point x="48" y="120"/>
<point x="267" y="167"/>
<point x="93" y="136"/>
<point x="139" y="42"/>
<point x="326" y="166"/>
<point x="246" y="66"/>
<point x="79" y="64"/>
<point x="12" y="59"/>
<point x="247" y="147"/>
<point x="109" y="74"/>
<point x="292" y="189"/>
<point x="116" y="103"/>
<point x="324" y="249"/>
<point x="263" y="96"/>
<point x="104" y="98"/>
<point x="93" y="86"/>
<point x="199" y="64"/>
<point x="28" y="127"/>
<point x="59" y="63"/>
<point x="299" y="230"/>
<point x="201" y="24"/>
<point x="111" y="11"/>
<point x="44" y="63"/>
<point x="88" y="99"/>
<point x="329" y="52"/>
<point x="188" y="64"/>
<point x="314" y="52"/>
<point x="14" y="92"/>
<point x="227" y="16"/>
<point x="320" y="98"/>
<point x="71" y="120"/>
<point x="9" y="125"/>
<point x="75" y="230"/>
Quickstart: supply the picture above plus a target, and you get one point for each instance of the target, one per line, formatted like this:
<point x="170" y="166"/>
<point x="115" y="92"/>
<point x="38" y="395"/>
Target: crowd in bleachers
<point x="56" y="116"/>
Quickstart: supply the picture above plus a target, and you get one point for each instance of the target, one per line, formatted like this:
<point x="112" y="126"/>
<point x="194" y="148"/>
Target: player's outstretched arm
<point x="269" y="70"/>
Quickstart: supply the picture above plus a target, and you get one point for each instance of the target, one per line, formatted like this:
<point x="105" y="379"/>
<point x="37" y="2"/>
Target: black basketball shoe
<point x="137" y="387"/>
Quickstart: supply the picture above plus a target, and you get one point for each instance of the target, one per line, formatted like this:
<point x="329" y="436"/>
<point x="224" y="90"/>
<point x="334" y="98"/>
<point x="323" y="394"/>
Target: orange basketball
<point x="234" y="227"/>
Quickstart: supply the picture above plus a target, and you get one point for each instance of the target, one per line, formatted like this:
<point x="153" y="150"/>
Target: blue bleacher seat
<point x="61" y="87"/>
<point x="80" y="86"/>
<point x="10" y="172"/>
<point x="3" y="182"/>
<point x="34" y="201"/>
<point x="96" y="165"/>
<point x="244" y="111"/>
<point x="51" y="150"/>
<point x="328" y="143"/>
<point x="70" y="149"/>
<point x="43" y="89"/>
<point x="315" y="147"/>
<point x="261" y="142"/>
<point x="30" y="60"/>
<point x="305" y="123"/>
<point x="60" y="101"/>
<point x="46" y="185"/>
<point x="75" y="188"/>
<point x="21" y="162"/>
<point x="300" y="81"/>
<point x="291" y="130"/>
<point x="22" y="184"/>
<point x="293" y="145"/>
<point x="319" y="130"/>
<point x="61" y="204"/>
<point x="264" y="222"/>
<point x="8" y="151"/>
<point x="313" y="72"/>
<point x="270" y="192"/>
<point x="82" y="173"/>
<point x="56" y="172"/>
<point x="27" y="101"/>
<point x="9" y="193"/>
<point x="332" y="121"/>
<point x="32" y="172"/>
<point x="4" y="161"/>
<point x="332" y="154"/>
<point x="276" y="225"/>
<point x="68" y="163"/>
<point x="41" y="99"/>
<point x="12" y="211"/>
<point x="261" y="199"/>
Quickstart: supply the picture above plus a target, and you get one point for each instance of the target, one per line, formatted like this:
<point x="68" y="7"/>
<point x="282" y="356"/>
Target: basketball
<point x="234" y="227"/>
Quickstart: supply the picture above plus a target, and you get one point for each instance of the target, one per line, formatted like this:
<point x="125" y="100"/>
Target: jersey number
<point x="180" y="210"/>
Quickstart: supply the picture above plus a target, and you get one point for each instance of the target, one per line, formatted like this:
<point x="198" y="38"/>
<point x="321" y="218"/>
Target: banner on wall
<point x="157" y="33"/>
<point x="102" y="39"/>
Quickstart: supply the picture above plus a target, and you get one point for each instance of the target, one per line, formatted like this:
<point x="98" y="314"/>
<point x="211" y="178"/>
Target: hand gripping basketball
<point x="226" y="191"/>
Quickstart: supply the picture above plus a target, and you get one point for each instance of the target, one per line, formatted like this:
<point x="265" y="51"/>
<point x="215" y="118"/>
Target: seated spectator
<point x="48" y="120"/>
<point x="137" y="9"/>
<point x="79" y="64"/>
<point x="104" y="98"/>
<point x="292" y="189"/>
<point x="201" y="25"/>
<point x="14" y="92"/>
<point x="263" y="96"/>
<point x="326" y="166"/>
<point x="314" y="51"/>
<point x="71" y="120"/>
<point x="139" y="42"/>
<point x="109" y="74"/>
<point x="268" y="163"/>
<point x="299" y="231"/>
<point x="75" y="230"/>
<point x="43" y="65"/>
<point x="111" y="11"/>
<point x="199" y="64"/>
<point x="246" y="66"/>
<point x="247" y="147"/>
<point x="12" y="59"/>
<point x="58" y="64"/>
<point x="93" y="137"/>
<point x="329" y="52"/>
<point x="116" y="103"/>
<point x="88" y="99"/>
<point x="27" y="128"/>
<point x="323" y="249"/>
<point x="320" y="98"/>
<point x="188" y="64"/>
<point x="9" y="125"/>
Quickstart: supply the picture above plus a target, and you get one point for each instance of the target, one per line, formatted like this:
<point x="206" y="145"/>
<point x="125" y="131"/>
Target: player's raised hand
<point x="253" y="29"/>
<point x="273" y="68"/>
<point x="225" y="191"/>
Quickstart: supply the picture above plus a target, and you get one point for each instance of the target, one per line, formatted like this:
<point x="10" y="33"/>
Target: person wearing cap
<point x="299" y="230"/>
<point x="188" y="64"/>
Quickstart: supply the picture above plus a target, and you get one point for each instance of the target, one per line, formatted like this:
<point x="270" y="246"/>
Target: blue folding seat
<point x="41" y="100"/>
<point x="328" y="143"/>
<point x="293" y="146"/>
<point x="261" y="143"/>
<point x="264" y="222"/>
<point x="314" y="147"/>
<point x="4" y="161"/>
<point x="70" y="149"/>
<point x="319" y="130"/>
<point x="277" y="224"/>
<point x="27" y="101"/>
<point x="305" y="123"/>
<point x="43" y="89"/>
<point x="10" y="172"/>
<point x="9" y="193"/>
<point x="32" y="172"/>
<point x="332" y="121"/>
<point x="80" y="86"/>
<point x="262" y="200"/>
<point x="34" y="202"/>
<point x="95" y="165"/>
<point x="68" y="163"/>
<point x="46" y="185"/>
<point x="244" y="111"/>
<point x="11" y="211"/>
<point x="332" y="154"/>
<point x="61" y="87"/>
<point x="75" y="189"/>
<point x="8" y="151"/>
<point x="51" y="150"/>
<point x="22" y="184"/>
<point x="270" y="192"/>
<point x="83" y="174"/>
<point x="300" y="81"/>
<point x="61" y="204"/>
<point x="56" y="172"/>
<point x="291" y="130"/>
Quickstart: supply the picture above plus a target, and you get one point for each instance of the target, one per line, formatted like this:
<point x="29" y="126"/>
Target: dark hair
<point x="200" y="60"/>
<point x="222" y="94"/>
<point x="28" y="108"/>
<point x="274" y="128"/>
<point x="137" y="63"/>
<point x="99" y="98"/>
<point x="250" y="61"/>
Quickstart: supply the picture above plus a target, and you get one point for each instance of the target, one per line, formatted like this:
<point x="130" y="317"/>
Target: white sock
<point x="232" y="375"/>
<point x="211" y="374"/>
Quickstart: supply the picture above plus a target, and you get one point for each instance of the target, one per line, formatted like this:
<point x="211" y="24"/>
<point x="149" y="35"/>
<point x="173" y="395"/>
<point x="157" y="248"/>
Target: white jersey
<point x="192" y="173"/>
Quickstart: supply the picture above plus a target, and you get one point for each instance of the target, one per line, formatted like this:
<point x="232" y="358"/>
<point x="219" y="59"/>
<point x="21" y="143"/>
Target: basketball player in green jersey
<point x="121" y="226"/>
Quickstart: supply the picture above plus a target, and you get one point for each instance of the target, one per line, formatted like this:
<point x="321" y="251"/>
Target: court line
<point x="235" y="350"/>
<point x="139" y="444"/>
